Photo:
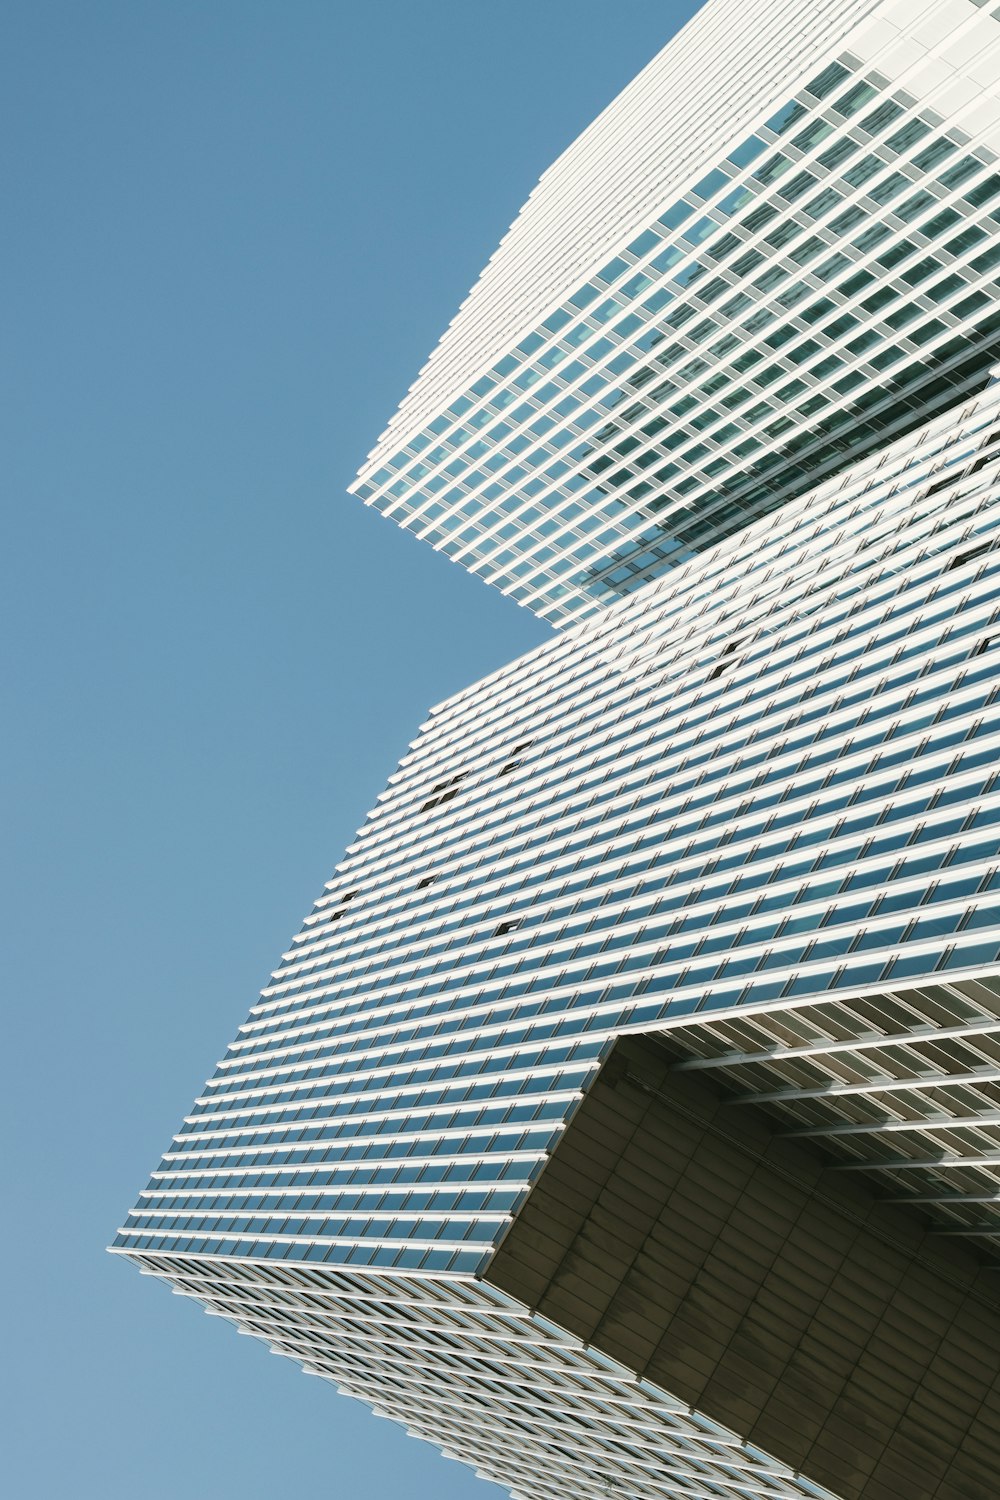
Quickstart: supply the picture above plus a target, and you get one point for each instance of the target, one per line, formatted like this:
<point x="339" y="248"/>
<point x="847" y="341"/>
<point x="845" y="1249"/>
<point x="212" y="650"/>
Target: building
<point x="771" y="254"/>
<point x="626" y="1114"/>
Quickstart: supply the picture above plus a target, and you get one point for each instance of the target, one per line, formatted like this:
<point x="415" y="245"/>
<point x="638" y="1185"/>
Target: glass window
<point x="827" y="81"/>
<point x="856" y="98"/>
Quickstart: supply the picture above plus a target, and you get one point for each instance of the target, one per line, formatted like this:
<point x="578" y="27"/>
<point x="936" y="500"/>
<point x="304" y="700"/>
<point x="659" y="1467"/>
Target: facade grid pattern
<point x="738" y="433"/>
<point x="768" y="776"/>
<point x="812" y="292"/>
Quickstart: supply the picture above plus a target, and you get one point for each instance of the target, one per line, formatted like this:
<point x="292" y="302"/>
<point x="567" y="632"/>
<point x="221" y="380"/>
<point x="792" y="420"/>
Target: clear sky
<point x="232" y="232"/>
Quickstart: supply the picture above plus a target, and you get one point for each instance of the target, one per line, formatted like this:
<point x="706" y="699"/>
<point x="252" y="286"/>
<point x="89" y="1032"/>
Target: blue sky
<point x="233" y="232"/>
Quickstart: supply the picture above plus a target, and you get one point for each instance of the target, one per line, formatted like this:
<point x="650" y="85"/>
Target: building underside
<point x="843" y="1325"/>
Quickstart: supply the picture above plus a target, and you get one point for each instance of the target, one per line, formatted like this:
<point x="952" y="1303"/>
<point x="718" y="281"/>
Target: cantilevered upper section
<point x="702" y="91"/>
<point x="773" y="251"/>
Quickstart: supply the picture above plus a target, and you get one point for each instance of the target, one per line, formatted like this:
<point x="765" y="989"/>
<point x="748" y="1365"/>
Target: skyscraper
<point x="770" y="254"/>
<point x="624" y="1115"/>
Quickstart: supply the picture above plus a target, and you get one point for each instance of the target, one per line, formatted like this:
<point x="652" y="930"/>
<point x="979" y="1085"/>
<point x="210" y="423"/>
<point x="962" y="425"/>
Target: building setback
<point x="626" y="1114"/>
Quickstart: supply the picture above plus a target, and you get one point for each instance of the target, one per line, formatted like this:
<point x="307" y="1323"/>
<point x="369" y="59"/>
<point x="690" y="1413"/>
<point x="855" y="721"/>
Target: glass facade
<point x="768" y="778"/>
<point x="747" y="802"/>
<point x="771" y="774"/>
<point x="826" y="282"/>
<point x="472" y="1371"/>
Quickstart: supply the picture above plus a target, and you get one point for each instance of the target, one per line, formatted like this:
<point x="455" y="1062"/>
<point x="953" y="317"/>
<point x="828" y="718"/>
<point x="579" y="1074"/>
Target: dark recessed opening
<point x="962" y="558"/>
<point x="725" y="664"/>
<point x="443" y="791"/>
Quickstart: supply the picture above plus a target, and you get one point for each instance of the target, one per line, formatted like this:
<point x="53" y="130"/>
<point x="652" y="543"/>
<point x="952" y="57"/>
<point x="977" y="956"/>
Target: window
<point x="443" y="791"/>
<point x="985" y="458"/>
<point x="724" y="665"/>
<point x="960" y="560"/>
